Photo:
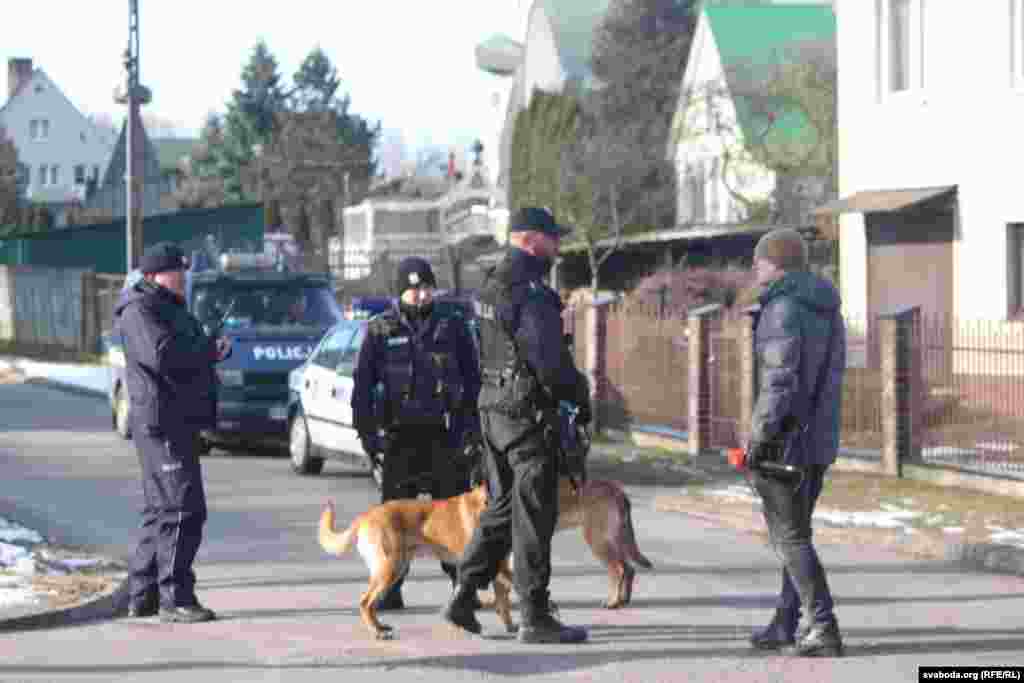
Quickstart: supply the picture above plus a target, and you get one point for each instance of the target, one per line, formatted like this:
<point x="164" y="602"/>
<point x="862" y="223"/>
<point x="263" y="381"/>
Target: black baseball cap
<point x="538" y="220"/>
<point x="414" y="272"/>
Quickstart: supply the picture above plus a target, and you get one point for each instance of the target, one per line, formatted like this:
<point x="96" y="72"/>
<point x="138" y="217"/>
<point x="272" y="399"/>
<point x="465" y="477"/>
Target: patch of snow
<point x="10" y="554"/>
<point x="11" y="532"/>
<point x="734" y="492"/>
<point x="941" y="452"/>
<point x="1008" y="537"/>
<point x="952" y="529"/>
<point x="879" y="519"/>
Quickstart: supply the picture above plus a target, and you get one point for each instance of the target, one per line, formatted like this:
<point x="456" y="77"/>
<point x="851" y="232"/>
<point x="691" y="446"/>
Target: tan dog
<point x="389" y="535"/>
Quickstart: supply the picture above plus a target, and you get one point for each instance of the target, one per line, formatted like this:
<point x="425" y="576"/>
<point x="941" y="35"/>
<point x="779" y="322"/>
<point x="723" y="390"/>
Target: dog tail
<point x="628" y="537"/>
<point x="330" y="540"/>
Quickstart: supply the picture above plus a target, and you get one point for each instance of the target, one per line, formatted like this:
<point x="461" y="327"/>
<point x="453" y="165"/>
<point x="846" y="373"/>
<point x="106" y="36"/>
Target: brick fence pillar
<point x="900" y="350"/>
<point x="699" y="368"/>
<point x="595" y="364"/>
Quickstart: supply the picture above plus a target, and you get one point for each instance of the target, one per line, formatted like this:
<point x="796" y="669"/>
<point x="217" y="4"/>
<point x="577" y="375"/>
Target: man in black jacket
<point x="528" y="371"/>
<point x="173" y="391"/>
<point x="800" y="342"/>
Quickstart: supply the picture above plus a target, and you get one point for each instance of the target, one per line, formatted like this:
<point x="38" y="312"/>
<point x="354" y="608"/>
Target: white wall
<point x="959" y="126"/>
<point x="700" y="144"/>
<point x="542" y="67"/>
<point x="72" y="139"/>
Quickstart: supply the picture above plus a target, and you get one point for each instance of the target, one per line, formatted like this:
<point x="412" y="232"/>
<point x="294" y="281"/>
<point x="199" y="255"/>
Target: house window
<point x="33" y="129"/>
<point x="899" y="45"/>
<point x="44" y="174"/>
<point x="54" y="174"/>
<point x="1017" y="43"/>
<point x="80" y="174"/>
<point x="44" y="129"/>
<point x="1015" y="270"/>
<point x="900" y="36"/>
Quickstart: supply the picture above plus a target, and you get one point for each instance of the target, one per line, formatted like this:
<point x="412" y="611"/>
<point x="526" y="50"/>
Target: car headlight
<point x="230" y="378"/>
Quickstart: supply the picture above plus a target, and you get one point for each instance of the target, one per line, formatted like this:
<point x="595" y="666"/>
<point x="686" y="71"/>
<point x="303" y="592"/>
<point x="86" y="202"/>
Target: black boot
<point x="821" y="640"/>
<point x="779" y="633"/>
<point x="392" y="600"/>
<point x="539" y="626"/>
<point x="146" y="605"/>
<point x="461" y="609"/>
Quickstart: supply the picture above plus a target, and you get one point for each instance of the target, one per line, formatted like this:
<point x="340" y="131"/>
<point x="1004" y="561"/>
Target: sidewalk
<point x="974" y="530"/>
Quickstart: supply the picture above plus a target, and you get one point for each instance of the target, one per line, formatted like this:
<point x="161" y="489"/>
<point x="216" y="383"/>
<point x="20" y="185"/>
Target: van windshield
<point x="264" y="307"/>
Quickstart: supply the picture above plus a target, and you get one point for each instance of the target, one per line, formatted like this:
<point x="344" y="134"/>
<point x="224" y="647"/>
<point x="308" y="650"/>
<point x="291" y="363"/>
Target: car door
<point x="318" y="382"/>
<point x="345" y="439"/>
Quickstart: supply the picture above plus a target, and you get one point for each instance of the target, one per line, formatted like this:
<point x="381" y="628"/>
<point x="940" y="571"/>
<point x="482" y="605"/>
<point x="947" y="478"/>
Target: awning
<point x="871" y="201"/>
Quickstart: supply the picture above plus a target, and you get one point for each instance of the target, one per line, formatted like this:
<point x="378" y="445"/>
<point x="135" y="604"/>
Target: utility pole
<point x="134" y="95"/>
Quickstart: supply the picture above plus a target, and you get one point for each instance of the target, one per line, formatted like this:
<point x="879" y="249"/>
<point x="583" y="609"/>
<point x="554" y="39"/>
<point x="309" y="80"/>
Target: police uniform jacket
<point x="407" y="376"/>
<point x="170" y="361"/>
<point x="527" y="365"/>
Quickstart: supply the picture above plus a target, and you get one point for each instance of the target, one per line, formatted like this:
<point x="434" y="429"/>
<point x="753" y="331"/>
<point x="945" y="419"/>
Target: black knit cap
<point x="163" y="257"/>
<point x="413" y="272"/>
<point x="536" y="219"/>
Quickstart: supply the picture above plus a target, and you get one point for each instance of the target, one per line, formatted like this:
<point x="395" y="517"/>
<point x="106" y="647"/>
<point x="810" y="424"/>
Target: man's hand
<point x="759" y="452"/>
<point x="223" y="346"/>
<point x="370" y="443"/>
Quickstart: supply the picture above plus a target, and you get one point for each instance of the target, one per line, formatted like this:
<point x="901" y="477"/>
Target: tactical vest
<point x="509" y="386"/>
<point x="422" y="383"/>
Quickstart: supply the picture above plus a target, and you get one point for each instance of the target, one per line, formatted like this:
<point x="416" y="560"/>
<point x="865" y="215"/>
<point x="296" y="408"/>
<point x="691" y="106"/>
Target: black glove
<point x="584" y="417"/>
<point x="759" y="452"/>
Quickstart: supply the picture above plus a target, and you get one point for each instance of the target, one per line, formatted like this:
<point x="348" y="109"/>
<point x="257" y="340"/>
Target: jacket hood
<point x="144" y="291"/>
<point x="815" y="292"/>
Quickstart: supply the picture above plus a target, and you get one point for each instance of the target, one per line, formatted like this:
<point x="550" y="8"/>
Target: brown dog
<point x="389" y="535"/>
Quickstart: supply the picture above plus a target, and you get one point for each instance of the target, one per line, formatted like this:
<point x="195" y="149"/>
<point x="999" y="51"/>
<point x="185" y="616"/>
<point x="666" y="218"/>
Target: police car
<point x="320" y="410"/>
<point x="273" y="317"/>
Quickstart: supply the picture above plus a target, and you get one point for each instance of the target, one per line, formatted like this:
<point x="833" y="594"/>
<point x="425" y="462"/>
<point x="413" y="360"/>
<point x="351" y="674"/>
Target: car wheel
<point x="122" y="414"/>
<point x="299" y="448"/>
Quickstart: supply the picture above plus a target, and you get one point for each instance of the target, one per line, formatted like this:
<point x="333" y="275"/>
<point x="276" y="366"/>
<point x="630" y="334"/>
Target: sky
<point x="405" y="63"/>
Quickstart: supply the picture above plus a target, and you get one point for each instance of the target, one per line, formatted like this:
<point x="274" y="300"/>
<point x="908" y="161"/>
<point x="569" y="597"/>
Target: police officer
<point x="416" y="383"/>
<point x="527" y="371"/>
<point x="172" y="388"/>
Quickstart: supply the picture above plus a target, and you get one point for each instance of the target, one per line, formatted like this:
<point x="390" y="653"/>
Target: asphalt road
<point x="288" y="609"/>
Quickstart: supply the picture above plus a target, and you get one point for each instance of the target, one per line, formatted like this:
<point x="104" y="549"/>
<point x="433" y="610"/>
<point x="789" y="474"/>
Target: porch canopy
<point x="872" y="201"/>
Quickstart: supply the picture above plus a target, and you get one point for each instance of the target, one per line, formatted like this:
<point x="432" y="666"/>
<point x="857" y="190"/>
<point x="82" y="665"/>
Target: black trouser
<point x="520" y="516"/>
<point x="417" y="456"/>
<point x="788" y="508"/>
<point x="172" y="518"/>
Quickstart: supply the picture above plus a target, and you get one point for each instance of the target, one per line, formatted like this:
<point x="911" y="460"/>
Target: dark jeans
<point x="415" y="457"/>
<point x="419" y="457"/>
<point x="520" y="516"/>
<point x="788" y="508"/>
<point x="172" y="518"/>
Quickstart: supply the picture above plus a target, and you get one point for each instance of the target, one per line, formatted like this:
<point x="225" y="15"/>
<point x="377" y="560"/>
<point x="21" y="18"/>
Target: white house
<point x="931" y="99"/>
<point x="723" y="112"/>
<point x="59" y="148"/>
<point x="556" y="50"/>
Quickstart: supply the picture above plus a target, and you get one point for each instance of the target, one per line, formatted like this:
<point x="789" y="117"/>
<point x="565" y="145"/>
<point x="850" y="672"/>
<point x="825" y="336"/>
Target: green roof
<point x="575" y="23"/>
<point x="751" y="37"/>
<point x="169" y="151"/>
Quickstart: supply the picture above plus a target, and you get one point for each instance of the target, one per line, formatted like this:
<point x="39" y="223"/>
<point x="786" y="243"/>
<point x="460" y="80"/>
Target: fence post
<point x="899" y="346"/>
<point x="90" y="313"/>
<point x="596" y="331"/>
<point x="699" y="367"/>
<point x="748" y="370"/>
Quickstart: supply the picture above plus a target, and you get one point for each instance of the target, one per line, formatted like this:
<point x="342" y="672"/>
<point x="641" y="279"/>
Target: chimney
<point x="19" y="71"/>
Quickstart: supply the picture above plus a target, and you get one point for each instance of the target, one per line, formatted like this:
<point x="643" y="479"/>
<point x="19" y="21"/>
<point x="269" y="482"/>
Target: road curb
<point x="104" y="607"/>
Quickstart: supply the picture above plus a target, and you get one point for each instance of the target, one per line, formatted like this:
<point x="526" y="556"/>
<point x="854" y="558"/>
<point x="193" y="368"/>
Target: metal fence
<point x="972" y="410"/>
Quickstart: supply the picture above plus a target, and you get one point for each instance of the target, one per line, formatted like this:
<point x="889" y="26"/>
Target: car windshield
<point x="264" y="307"/>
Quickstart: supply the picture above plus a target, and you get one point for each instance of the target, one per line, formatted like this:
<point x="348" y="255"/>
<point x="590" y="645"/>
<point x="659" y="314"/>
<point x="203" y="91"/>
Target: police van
<point x="274" y="318"/>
